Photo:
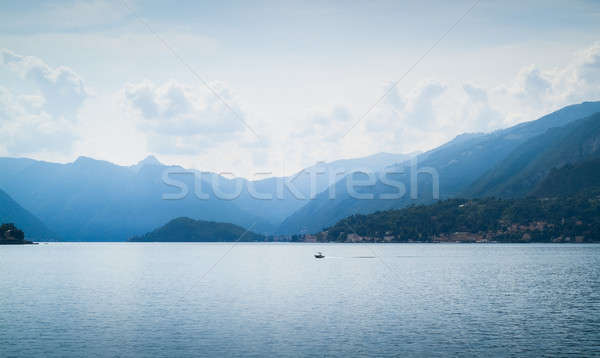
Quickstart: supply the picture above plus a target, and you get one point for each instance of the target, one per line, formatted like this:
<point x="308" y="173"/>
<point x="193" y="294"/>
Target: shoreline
<point x="11" y="242"/>
<point x="304" y="242"/>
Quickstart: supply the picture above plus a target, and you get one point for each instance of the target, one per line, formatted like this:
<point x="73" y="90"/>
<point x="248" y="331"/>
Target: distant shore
<point x="17" y="242"/>
<point x="305" y="242"/>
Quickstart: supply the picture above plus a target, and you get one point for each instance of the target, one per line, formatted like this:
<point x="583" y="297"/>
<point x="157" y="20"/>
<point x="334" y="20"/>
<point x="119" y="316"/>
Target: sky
<point x="244" y="87"/>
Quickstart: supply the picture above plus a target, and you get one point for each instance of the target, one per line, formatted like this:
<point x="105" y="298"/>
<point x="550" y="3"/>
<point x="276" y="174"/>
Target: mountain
<point x="12" y="212"/>
<point x="149" y="160"/>
<point x="569" y="180"/>
<point x="458" y="164"/>
<point x="371" y="163"/>
<point x="95" y="200"/>
<point x="319" y="176"/>
<point x="189" y="230"/>
<point x="338" y="202"/>
<point x="563" y="219"/>
<point x="525" y="167"/>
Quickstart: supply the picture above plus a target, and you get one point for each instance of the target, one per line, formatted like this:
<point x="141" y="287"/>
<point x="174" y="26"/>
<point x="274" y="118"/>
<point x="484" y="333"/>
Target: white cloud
<point x="63" y="89"/>
<point x="418" y="109"/>
<point x="181" y="119"/>
<point x="41" y="122"/>
<point x="582" y="78"/>
<point x="531" y="85"/>
<point x="434" y="112"/>
<point x="536" y="91"/>
<point x="27" y="130"/>
<point x="322" y="127"/>
<point x="421" y="102"/>
<point x="188" y="125"/>
<point x="478" y="112"/>
<point x="476" y="94"/>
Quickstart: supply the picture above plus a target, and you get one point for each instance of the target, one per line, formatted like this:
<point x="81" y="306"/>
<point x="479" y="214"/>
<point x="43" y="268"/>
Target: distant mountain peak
<point x="374" y="162"/>
<point x="83" y="159"/>
<point x="149" y="160"/>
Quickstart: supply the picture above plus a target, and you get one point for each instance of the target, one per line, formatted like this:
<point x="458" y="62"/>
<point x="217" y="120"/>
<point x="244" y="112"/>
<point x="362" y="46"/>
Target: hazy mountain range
<point x="12" y="212"/>
<point x="467" y="159"/>
<point x="519" y="173"/>
<point x="94" y="200"/>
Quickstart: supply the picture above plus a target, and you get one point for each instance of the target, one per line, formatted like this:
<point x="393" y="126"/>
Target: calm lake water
<point x="150" y="300"/>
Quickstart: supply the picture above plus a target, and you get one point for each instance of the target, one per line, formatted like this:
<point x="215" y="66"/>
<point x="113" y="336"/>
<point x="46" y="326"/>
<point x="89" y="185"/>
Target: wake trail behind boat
<point x="350" y="257"/>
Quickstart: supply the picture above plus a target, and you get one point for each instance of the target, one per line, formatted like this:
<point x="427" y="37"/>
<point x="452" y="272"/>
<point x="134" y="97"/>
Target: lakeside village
<point x="539" y="231"/>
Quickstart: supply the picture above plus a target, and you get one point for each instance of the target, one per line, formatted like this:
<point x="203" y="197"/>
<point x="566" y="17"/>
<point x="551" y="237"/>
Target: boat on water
<point x="319" y="255"/>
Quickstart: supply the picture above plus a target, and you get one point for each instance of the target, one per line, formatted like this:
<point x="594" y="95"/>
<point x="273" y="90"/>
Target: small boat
<point x="319" y="255"/>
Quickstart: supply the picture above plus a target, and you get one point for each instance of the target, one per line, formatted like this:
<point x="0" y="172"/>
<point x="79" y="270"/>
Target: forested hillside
<point x="563" y="219"/>
<point x="467" y="159"/>
<point x="189" y="230"/>
<point x="528" y="165"/>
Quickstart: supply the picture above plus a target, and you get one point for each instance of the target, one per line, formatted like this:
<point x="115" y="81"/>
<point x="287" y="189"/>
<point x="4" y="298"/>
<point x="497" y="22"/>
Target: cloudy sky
<point x="246" y="87"/>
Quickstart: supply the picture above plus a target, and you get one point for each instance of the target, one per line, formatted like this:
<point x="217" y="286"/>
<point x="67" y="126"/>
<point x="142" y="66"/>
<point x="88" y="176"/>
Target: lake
<point x="213" y="299"/>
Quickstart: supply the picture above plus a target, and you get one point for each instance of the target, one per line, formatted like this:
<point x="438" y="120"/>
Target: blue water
<point x="150" y="300"/>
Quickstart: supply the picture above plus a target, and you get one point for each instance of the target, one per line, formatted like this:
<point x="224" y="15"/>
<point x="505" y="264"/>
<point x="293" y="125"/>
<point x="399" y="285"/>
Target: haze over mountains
<point x="459" y="163"/>
<point x="12" y="212"/>
<point x="93" y="200"/>
<point x="519" y="173"/>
